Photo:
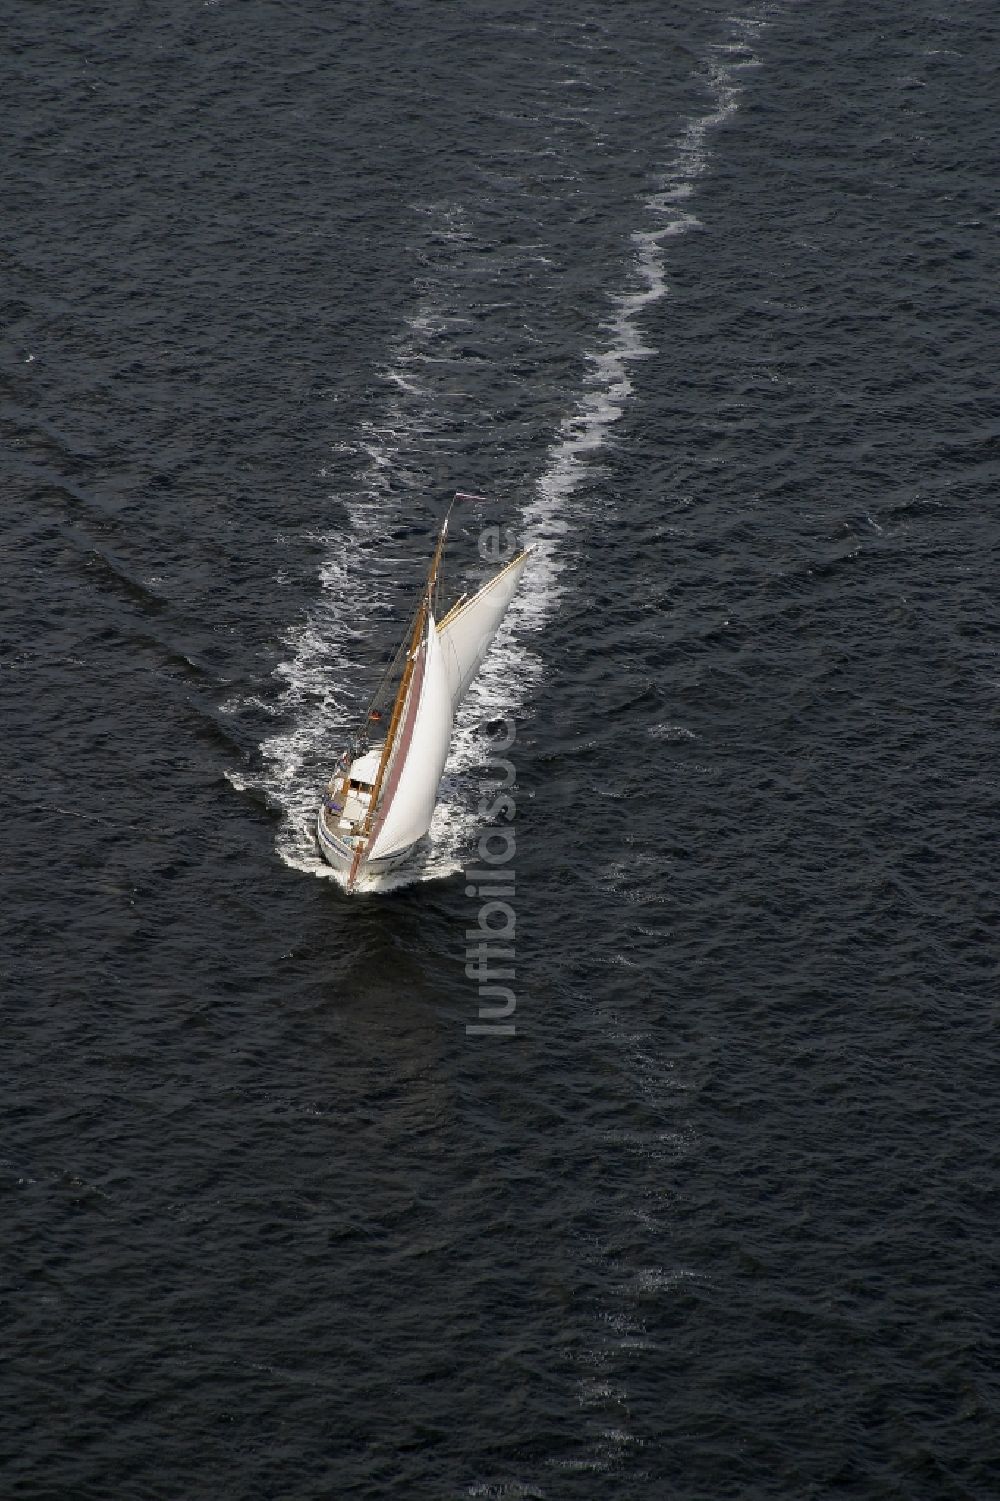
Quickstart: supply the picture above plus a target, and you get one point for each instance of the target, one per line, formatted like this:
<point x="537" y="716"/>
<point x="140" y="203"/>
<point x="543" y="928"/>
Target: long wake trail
<point x="326" y="673"/>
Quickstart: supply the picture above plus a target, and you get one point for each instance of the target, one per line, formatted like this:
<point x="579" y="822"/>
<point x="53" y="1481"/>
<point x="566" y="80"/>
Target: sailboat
<point x="380" y="800"/>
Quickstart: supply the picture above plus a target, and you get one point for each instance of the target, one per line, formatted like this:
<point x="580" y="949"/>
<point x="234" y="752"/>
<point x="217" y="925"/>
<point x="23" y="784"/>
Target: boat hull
<point x="339" y="852"/>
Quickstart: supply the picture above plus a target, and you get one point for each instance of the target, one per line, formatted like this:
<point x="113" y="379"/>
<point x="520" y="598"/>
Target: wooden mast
<point x="397" y="708"/>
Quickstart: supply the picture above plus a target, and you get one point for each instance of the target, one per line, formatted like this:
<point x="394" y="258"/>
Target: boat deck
<point x="348" y="798"/>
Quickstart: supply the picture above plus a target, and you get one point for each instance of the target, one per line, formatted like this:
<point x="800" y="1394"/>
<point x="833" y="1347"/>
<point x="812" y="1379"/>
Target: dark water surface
<point x="709" y="298"/>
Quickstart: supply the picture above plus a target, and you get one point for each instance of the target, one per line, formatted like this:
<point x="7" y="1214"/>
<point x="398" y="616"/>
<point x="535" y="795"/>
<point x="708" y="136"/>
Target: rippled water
<point x="707" y="300"/>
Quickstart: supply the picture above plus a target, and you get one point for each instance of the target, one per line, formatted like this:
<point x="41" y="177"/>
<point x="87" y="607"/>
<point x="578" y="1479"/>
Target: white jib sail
<point x="466" y="635"/>
<point x="422" y="748"/>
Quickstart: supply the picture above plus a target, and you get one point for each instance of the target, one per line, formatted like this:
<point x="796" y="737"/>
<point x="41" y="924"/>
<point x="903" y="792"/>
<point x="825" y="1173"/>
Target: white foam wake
<point x="324" y="688"/>
<point x="322" y="675"/>
<point x="510" y="673"/>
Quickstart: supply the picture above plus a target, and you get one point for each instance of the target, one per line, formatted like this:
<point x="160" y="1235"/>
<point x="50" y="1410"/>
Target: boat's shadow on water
<point x="397" y="944"/>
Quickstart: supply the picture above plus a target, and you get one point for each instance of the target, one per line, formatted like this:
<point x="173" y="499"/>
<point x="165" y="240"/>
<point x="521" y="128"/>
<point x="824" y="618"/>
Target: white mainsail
<point x="466" y="633"/>
<point x="402" y="788"/>
<point x="407" y="804"/>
